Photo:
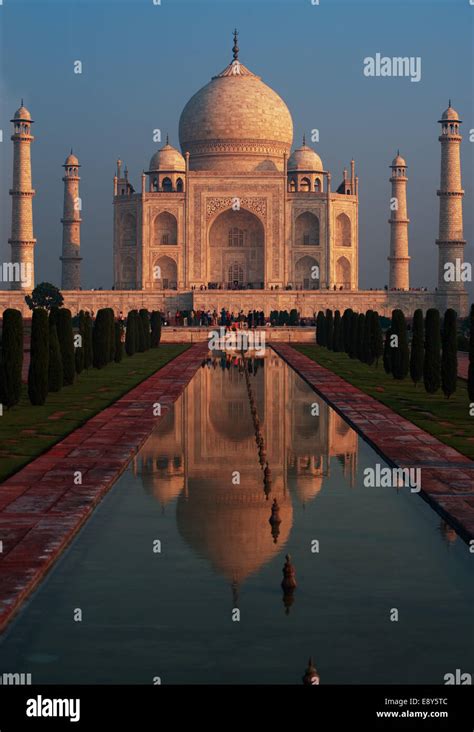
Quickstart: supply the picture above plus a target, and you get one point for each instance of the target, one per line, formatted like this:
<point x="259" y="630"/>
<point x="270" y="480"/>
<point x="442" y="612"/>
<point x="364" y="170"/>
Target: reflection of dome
<point x="229" y="525"/>
<point x="305" y="159"/>
<point x="308" y="486"/>
<point x="236" y="120"/>
<point x="167" y="159"/>
<point x="165" y="488"/>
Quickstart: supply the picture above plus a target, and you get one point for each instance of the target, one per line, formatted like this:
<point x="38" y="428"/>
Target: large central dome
<point x="236" y="123"/>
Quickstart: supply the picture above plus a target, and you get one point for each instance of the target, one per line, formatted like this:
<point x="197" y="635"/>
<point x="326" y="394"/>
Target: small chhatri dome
<point x="167" y="158"/>
<point x="305" y="158"/>
<point x="450" y="114"/>
<point x="398" y="161"/>
<point x="71" y="160"/>
<point x="22" y="114"/>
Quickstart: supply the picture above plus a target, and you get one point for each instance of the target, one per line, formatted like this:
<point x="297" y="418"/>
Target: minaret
<point x="22" y="240"/>
<point x="71" y="221"/>
<point x="399" y="277"/>
<point x="450" y="240"/>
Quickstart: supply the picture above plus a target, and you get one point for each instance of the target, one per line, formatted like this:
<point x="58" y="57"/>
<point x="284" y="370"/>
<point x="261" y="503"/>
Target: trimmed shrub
<point x="470" y="375"/>
<point x="417" y="347"/>
<point x="321" y="329"/>
<point x="368" y="346"/>
<point x="55" y="366"/>
<point x="118" y="352"/>
<point x="11" y="357"/>
<point x="294" y="319"/>
<point x="449" y="356"/>
<point x="360" y="336"/>
<point x="432" y="359"/>
<point x="131" y="335"/>
<point x="79" y="350"/>
<point x="329" y="329"/>
<point x="400" y="353"/>
<point x="155" y="329"/>
<point x="66" y="344"/>
<point x="377" y="337"/>
<point x="387" y="355"/>
<point x="145" y="318"/>
<point x="101" y="339"/>
<point x="346" y="329"/>
<point x="111" y="324"/>
<point x="39" y="357"/>
<point x="353" y="335"/>
<point x="88" y="354"/>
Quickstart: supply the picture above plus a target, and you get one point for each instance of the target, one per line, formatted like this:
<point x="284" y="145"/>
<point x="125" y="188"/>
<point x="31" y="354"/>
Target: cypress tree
<point x="155" y="328"/>
<point x="432" y="360"/>
<point x="368" y="347"/>
<point x="11" y="357"/>
<point x="449" y="357"/>
<point x="329" y="330"/>
<point x="140" y="326"/>
<point x="145" y="317"/>
<point x="417" y="347"/>
<point x="346" y="329"/>
<point x="55" y="365"/>
<point x="360" y="336"/>
<point x="79" y="350"/>
<point x="470" y="375"/>
<point x="387" y="355"/>
<point x="101" y="339"/>
<point x="400" y="353"/>
<point x="118" y="351"/>
<point x="320" y="329"/>
<point x="87" y="343"/>
<point x="377" y="337"/>
<point x="111" y="326"/>
<point x="353" y="335"/>
<point x="39" y="357"/>
<point x="130" y="335"/>
<point x="337" y="335"/>
<point x="66" y="344"/>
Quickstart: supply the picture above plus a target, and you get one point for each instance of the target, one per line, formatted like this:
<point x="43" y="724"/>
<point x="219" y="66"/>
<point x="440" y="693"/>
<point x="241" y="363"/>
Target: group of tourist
<point x="227" y="318"/>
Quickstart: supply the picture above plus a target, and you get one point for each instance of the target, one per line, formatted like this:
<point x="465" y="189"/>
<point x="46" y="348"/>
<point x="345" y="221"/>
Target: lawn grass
<point x="27" y="431"/>
<point x="446" y="419"/>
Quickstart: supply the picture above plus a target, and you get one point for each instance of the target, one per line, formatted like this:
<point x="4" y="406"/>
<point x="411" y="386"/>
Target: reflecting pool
<point x="177" y="576"/>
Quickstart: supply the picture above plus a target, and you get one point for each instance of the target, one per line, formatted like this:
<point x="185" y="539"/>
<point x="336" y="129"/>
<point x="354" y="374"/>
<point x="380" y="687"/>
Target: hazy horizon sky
<point x="142" y="62"/>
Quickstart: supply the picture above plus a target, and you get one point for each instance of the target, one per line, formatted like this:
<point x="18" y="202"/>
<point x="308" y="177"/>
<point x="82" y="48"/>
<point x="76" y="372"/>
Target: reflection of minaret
<point x="22" y="240"/>
<point x="399" y="278"/>
<point x="450" y="239"/>
<point x="71" y="221"/>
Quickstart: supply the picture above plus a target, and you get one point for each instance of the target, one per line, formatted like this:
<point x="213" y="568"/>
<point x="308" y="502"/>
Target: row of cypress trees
<point x="357" y="334"/>
<point x="57" y="355"/>
<point x="431" y="358"/>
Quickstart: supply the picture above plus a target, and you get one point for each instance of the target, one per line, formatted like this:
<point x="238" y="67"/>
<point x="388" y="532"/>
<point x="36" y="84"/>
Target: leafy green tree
<point x="39" y="357"/>
<point x="346" y="328"/>
<point x="66" y="344"/>
<point x="11" y="357"/>
<point x="145" y="317"/>
<point x="354" y="332"/>
<point x="337" y="333"/>
<point x="118" y="351"/>
<point x="79" y="350"/>
<point x="387" y="352"/>
<point x="432" y="360"/>
<point x="368" y="345"/>
<point x="101" y="339"/>
<point x="470" y="375"/>
<point x="377" y="337"/>
<point x="111" y="339"/>
<point x="321" y="329"/>
<point x="87" y="343"/>
<point x="417" y="354"/>
<point x="449" y="356"/>
<point x="45" y="295"/>
<point x="131" y="335"/>
<point x="55" y="365"/>
<point x="360" y="336"/>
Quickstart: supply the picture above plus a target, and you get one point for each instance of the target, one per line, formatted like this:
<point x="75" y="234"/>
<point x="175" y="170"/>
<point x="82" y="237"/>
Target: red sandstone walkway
<point x="41" y="509"/>
<point x="447" y="477"/>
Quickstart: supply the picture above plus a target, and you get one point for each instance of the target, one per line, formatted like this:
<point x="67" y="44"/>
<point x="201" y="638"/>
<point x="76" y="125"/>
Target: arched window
<point x="155" y="185"/>
<point x="179" y="185"/>
<point x="317" y="185"/>
<point x="236" y="274"/>
<point x="166" y="229"/>
<point x="305" y="185"/>
<point x="292" y="186"/>
<point x="236" y="237"/>
<point x="307" y="229"/>
<point x="167" y="185"/>
<point x="343" y="231"/>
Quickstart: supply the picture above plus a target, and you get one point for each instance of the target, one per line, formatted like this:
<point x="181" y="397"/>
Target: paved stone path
<point x="447" y="477"/>
<point x="41" y="508"/>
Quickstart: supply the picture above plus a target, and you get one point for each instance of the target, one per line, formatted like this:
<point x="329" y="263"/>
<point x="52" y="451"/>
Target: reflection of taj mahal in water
<point x="208" y="433"/>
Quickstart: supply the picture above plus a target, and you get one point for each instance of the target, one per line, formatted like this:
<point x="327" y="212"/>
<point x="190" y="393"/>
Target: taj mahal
<point x="239" y="217"/>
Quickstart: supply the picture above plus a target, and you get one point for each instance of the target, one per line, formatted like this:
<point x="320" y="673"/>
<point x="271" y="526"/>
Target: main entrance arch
<point x="236" y="251"/>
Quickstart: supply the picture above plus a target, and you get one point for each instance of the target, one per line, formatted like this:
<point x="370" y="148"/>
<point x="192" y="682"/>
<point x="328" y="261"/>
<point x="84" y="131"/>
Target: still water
<point x="358" y="554"/>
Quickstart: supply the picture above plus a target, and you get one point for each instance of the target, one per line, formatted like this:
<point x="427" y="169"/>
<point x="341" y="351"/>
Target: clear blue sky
<point x="141" y="63"/>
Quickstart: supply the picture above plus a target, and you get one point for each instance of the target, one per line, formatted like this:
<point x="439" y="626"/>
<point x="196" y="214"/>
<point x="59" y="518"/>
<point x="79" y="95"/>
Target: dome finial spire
<point x="167" y="139"/>
<point x="304" y="139"/>
<point x="235" y="49"/>
<point x="449" y="103"/>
